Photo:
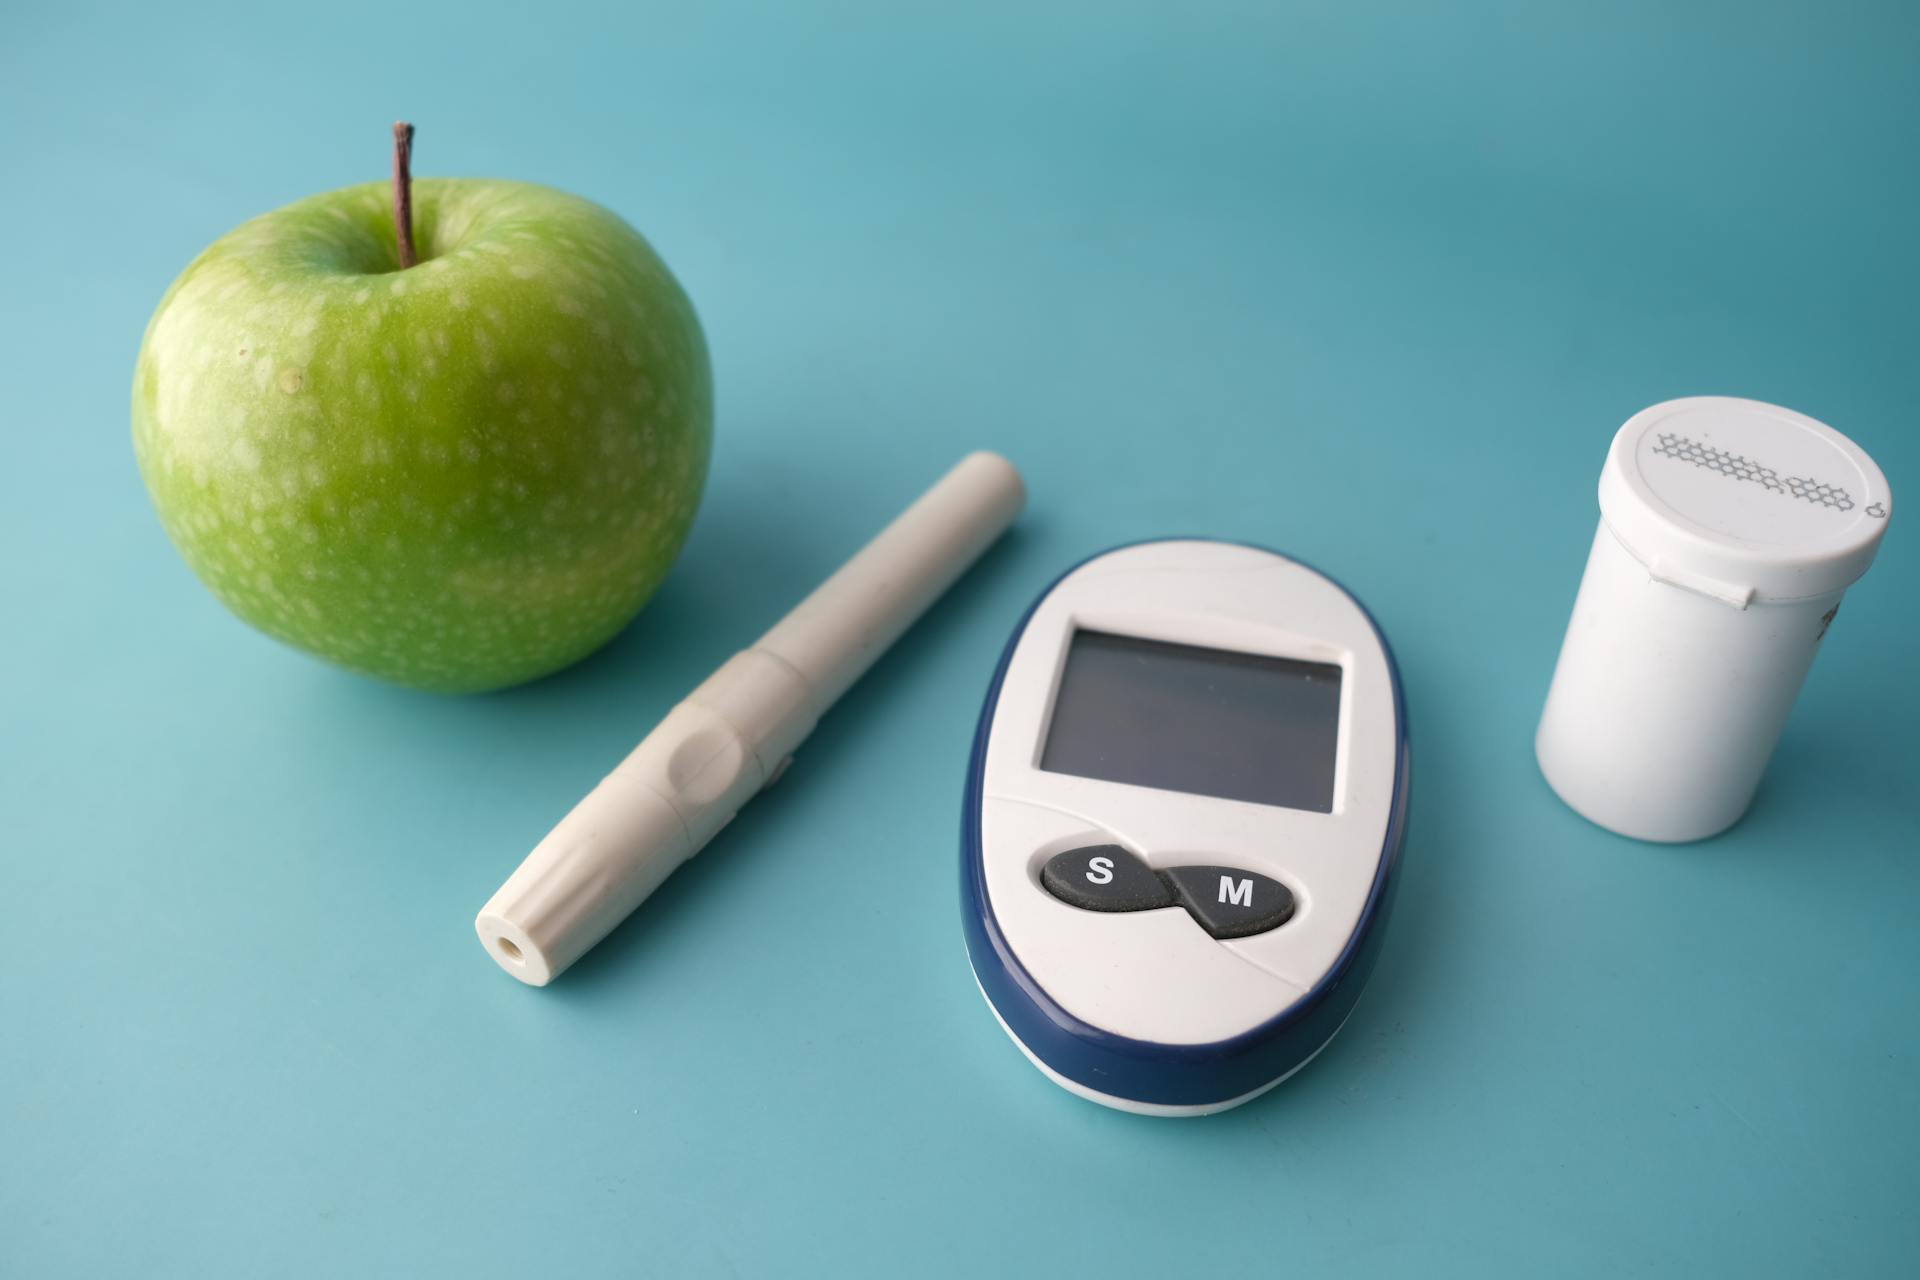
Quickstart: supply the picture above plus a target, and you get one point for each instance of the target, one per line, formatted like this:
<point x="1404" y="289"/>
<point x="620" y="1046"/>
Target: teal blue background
<point x="1373" y="284"/>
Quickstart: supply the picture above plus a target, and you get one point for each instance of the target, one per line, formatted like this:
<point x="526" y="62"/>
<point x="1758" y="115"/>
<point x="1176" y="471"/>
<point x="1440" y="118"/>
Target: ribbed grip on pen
<point x="601" y="862"/>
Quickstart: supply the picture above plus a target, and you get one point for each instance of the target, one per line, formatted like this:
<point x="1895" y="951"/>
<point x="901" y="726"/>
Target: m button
<point x="1229" y="903"/>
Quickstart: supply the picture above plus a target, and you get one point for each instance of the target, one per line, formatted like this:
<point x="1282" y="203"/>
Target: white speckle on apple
<point x="399" y="285"/>
<point x="522" y="270"/>
<point x="245" y="456"/>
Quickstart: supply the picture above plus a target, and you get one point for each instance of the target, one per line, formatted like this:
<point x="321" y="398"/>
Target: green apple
<point x="458" y="475"/>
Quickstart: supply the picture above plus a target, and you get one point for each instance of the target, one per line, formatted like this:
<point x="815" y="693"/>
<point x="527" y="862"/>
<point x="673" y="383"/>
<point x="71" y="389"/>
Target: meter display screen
<point x="1240" y="726"/>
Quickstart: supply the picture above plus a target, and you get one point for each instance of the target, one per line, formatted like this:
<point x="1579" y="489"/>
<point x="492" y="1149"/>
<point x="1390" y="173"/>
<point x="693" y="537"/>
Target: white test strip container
<point x="1729" y="530"/>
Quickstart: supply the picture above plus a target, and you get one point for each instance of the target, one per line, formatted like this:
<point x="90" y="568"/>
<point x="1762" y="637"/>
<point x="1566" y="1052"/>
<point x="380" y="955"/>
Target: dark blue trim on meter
<point x="1143" y="1070"/>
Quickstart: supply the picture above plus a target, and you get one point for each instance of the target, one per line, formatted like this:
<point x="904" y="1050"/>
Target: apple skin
<point x="457" y="476"/>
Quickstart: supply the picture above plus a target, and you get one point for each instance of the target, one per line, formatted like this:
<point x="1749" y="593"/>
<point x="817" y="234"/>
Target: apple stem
<point x="403" y="192"/>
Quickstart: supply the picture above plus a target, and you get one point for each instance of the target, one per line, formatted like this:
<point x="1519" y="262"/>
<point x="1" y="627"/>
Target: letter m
<point x="1237" y="892"/>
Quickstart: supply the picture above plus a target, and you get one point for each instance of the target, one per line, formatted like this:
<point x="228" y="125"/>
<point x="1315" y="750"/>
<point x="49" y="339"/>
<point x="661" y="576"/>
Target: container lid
<point x="1743" y="501"/>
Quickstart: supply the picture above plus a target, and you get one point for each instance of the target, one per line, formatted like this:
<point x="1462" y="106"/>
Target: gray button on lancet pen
<point x="732" y="735"/>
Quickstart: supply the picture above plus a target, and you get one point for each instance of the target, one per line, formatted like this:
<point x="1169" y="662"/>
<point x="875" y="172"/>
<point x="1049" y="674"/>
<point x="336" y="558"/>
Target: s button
<point x="1104" y="877"/>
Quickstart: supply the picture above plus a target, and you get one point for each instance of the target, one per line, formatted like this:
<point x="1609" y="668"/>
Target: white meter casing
<point x="1183" y="815"/>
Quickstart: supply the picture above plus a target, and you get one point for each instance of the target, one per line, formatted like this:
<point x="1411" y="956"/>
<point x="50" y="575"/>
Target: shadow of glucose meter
<point x="1185" y="806"/>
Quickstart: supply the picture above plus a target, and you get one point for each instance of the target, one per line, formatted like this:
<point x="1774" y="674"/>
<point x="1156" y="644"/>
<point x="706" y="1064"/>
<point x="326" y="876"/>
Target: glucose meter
<point x="1184" y="810"/>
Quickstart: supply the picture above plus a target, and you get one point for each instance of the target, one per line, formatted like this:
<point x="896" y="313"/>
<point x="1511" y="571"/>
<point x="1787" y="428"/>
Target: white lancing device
<point x="738" y="730"/>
